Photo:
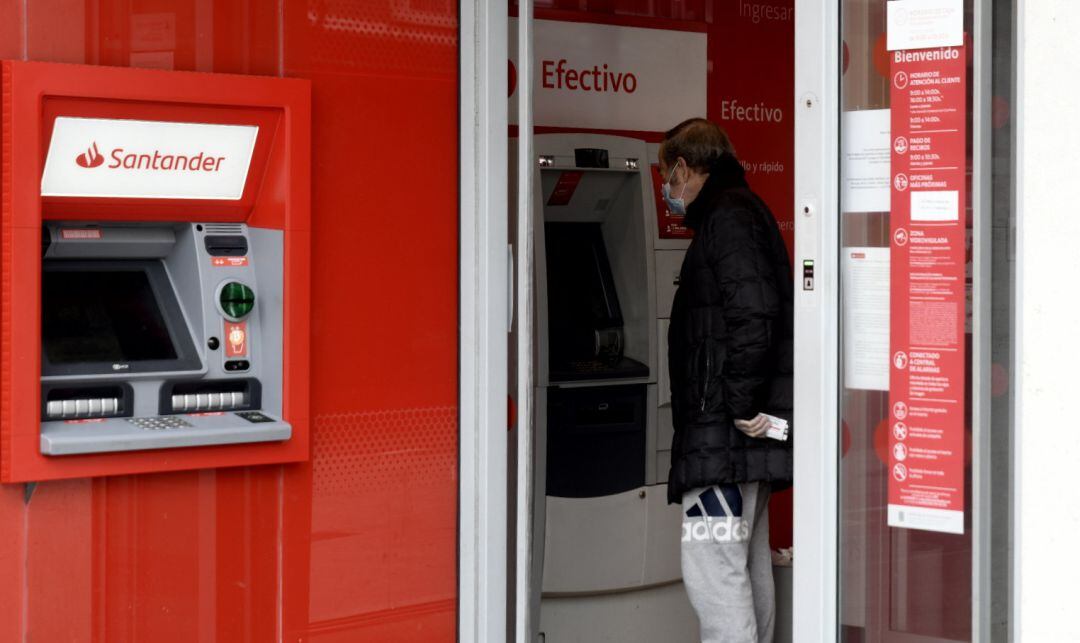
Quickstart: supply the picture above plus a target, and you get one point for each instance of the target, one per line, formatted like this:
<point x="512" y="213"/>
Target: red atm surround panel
<point x="276" y="196"/>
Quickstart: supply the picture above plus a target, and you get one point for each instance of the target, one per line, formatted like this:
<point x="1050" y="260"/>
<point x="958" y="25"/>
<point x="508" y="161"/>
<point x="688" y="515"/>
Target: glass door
<point x="913" y="519"/>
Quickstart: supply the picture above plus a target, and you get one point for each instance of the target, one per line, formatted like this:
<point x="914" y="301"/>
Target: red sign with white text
<point x="80" y="233"/>
<point x="928" y="298"/>
<point x="229" y="262"/>
<point x="672" y="226"/>
<point x="565" y="187"/>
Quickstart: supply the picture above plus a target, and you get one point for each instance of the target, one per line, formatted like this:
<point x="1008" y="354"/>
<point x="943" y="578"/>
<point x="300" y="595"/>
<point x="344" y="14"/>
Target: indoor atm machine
<point x="606" y="543"/>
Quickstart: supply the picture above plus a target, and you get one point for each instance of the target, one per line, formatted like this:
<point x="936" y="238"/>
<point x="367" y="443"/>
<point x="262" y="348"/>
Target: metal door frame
<point x="817" y="321"/>
<point x="484" y="300"/>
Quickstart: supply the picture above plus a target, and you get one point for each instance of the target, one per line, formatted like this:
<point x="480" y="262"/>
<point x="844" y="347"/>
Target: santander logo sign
<point x="91" y="157"/>
<point x="120" y="158"/>
<point x="134" y="159"/>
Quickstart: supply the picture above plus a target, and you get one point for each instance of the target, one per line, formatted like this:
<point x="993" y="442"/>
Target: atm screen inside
<point x="107" y="315"/>
<point x="580" y="282"/>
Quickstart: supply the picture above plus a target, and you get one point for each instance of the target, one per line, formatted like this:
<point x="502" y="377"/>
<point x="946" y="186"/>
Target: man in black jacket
<point x="730" y="361"/>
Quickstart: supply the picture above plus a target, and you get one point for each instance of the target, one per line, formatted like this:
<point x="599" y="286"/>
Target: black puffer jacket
<point x="730" y="340"/>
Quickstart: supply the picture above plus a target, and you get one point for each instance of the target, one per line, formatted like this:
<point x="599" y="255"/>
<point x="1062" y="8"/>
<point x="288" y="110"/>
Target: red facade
<point x="359" y="543"/>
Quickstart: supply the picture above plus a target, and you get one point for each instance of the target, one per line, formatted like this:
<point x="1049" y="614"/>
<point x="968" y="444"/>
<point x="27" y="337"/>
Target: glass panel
<point x="906" y="139"/>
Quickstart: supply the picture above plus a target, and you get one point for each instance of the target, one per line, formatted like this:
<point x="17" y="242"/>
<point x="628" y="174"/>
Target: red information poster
<point x="928" y="298"/>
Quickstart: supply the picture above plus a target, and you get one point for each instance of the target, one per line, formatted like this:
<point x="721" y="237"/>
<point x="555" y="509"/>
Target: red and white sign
<point x="80" y="233"/>
<point x="228" y="262"/>
<point x="101" y="157"/>
<point x="606" y="77"/>
<point x="236" y="339"/>
<point x="565" y="187"/>
<point x="928" y="299"/>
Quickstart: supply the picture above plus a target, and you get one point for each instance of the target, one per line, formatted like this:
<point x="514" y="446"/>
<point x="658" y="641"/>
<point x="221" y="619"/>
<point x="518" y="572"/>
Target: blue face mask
<point x="674" y="205"/>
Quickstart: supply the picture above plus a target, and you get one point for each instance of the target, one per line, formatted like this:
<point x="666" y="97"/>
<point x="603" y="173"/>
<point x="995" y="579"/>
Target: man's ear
<point x="683" y="169"/>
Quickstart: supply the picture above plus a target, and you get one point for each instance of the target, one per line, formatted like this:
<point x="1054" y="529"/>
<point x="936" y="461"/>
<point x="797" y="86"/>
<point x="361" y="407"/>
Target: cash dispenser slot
<point x="202" y="396"/>
<point x="85" y="402"/>
<point x="596" y="440"/>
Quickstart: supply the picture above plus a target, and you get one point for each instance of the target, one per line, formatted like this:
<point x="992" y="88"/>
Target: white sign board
<point x="614" y="78"/>
<point x="103" y="157"/>
<point x="866" y="318"/>
<point x="866" y="161"/>
<point x="941" y="205"/>
<point x="921" y="24"/>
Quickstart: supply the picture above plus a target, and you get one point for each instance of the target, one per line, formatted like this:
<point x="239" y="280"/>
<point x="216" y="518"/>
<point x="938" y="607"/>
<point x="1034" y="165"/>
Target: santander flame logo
<point x="91" y="157"/>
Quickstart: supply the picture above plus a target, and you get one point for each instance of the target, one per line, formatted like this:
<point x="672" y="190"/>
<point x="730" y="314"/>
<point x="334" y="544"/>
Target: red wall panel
<point x="359" y="544"/>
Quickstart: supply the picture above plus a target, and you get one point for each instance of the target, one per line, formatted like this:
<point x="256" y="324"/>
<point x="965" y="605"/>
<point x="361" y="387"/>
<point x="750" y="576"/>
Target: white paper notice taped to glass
<point x="866" y="157"/>
<point x="922" y="24"/>
<point x="866" y="318"/>
<point x="116" y="158"/>
<point x="939" y="205"/>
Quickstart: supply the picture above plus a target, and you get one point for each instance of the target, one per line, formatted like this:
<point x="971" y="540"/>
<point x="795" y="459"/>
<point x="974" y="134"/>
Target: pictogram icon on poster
<point x="900" y="431"/>
<point x="900" y="410"/>
<point x="900" y="145"/>
<point x="899" y="471"/>
<point x="900" y="451"/>
<point x="900" y="80"/>
<point x="900" y="237"/>
<point x="900" y="360"/>
<point x="900" y="182"/>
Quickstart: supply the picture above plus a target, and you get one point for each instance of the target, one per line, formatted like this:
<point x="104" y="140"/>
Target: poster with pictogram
<point x="928" y="298"/>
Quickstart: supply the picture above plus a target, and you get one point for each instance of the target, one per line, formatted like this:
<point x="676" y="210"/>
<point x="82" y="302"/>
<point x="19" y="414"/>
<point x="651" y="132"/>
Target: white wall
<point x="1047" y="447"/>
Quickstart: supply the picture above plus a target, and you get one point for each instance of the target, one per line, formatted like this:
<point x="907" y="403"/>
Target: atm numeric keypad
<point x="159" y="423"/>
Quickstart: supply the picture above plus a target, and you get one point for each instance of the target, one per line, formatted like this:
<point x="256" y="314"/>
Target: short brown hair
<point x="699" y="141"/>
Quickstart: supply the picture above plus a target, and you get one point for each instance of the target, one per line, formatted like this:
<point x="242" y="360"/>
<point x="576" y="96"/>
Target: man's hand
<point x="755" y="428"/>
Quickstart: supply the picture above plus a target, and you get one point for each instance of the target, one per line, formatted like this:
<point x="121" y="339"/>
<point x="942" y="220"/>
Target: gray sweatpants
<point x="726" y="562"/>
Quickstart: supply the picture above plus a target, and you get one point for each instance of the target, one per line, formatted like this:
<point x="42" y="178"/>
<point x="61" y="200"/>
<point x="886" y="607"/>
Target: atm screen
<point x="582" y="290"/>
<point x="109" y="317"/>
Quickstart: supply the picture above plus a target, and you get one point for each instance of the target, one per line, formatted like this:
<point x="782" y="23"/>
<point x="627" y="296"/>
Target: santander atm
<point x="609" y="542"/>
<point x="155" y="271"/>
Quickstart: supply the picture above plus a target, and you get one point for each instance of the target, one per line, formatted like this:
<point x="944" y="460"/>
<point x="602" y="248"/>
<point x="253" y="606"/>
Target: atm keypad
<point x="159" y="423"/>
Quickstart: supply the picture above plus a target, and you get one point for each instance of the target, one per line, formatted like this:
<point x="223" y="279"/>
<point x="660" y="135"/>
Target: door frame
<point x="483" y="321"/>
<point x="818" y="313"/>
<point x="817" y="320"/>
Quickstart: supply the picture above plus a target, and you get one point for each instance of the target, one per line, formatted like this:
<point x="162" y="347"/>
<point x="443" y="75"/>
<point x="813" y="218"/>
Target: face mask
<point x="674" y="205"/>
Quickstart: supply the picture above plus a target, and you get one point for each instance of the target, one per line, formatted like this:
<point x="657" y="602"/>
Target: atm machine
<point x="606" y="542"/>
<point x="155" y="272"/>
<point x="149" y="343"/>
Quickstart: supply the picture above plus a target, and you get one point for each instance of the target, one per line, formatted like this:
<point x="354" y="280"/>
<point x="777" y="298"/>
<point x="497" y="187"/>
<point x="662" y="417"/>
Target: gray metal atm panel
<point x="196" y="281"/>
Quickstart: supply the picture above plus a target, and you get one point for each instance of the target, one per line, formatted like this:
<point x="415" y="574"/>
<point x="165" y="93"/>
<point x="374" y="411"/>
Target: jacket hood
<point x="726" y="173"/>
